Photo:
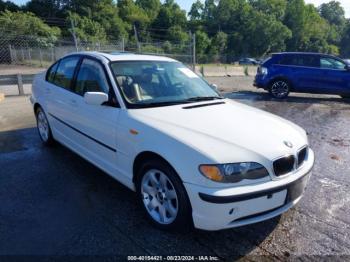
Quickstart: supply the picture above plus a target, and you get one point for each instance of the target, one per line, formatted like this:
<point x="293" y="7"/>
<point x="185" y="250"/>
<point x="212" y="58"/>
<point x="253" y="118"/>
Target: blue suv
<point x="304" y="73"/>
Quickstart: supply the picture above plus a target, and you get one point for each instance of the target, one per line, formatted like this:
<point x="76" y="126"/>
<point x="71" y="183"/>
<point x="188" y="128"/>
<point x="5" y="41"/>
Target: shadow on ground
<point x="56" y="203"/>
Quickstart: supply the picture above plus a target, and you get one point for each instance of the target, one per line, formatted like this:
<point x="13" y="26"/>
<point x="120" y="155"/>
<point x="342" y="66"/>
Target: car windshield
<point x="158" y="83"/>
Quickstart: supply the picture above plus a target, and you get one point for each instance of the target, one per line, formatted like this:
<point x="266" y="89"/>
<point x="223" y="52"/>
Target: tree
<point x="8" y="5"/>
<point x="170" y="14"/>
<point x="277" y="8"/>
<point x="344" y="43"/>
<point x="310" y="32"/>
<point x="202" y="45"/>
<point x="106" y="13"/>
<point x="217" y="46"/>
<point x="196" y="11"/>
<point x="133" y="14"/>
<point x="16" y="26"/>
<point x="46" y="8"/>
<point x="86" y="29"/>
<point x="151" y="7"/>
<point x="334" y="13"/>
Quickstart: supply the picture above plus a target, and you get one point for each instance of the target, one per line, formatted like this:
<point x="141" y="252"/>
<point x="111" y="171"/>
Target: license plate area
<point x="263" y="204"/>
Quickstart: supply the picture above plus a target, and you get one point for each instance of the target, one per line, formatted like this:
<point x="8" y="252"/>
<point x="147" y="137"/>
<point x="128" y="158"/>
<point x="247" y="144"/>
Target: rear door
<point x="61" y="103"/>
<point x="303" y="71"/>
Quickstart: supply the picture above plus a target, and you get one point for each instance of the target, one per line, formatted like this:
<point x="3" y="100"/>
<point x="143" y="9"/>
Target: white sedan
<point x="193" y="157"/>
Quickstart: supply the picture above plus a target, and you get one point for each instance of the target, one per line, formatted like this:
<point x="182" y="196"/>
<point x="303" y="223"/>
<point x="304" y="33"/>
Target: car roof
<point x="300" y="53"/>
<point x="124" y="56"/>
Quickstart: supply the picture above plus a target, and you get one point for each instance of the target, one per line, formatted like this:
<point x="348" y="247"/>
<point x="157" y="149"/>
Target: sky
<point x="186" y="4"/>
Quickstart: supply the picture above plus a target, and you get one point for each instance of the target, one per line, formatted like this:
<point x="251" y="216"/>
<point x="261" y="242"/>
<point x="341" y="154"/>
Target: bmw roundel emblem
<point x="288" y="144"/>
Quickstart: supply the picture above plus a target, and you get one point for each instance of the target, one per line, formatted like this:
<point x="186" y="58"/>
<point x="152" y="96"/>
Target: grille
<point x="284" y="165"/>
<point x="302" y="156"/>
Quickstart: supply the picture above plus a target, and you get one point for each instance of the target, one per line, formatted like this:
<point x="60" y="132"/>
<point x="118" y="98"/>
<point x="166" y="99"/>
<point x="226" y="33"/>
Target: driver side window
<point x="330" y="63"/>
<point x="91" y="78"/>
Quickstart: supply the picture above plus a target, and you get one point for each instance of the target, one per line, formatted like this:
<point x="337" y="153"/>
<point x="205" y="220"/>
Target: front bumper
<point x="215" y="209"/>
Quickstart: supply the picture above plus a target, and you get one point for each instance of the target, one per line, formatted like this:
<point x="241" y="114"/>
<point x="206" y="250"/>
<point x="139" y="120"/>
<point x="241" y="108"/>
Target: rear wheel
<point x="162" y="196"/>
<point x="43" y="127"/>
<point x="279" y="88"/>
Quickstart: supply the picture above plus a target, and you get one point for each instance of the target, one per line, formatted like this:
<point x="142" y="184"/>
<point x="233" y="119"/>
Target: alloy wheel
<point x="280" y="89"/>
<point x="43" y="126"/>
<point x="159" y="196"/>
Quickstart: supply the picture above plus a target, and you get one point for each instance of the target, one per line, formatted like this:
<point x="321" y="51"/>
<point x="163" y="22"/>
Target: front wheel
<point x="279" y="89"/>
<point x="162" y="196"/>
<point x="43" y="127"/>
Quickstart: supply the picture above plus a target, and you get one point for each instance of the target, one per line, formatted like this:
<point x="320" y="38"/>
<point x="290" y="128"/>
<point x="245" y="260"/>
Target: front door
<point x="96" y="125"/>
<point x="335" y="78"/>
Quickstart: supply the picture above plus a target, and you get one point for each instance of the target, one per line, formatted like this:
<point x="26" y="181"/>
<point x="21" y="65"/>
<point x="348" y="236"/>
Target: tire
<point x="279" y="88"/>
<point x="43" y="127"/>
<point x="163" y="197"/>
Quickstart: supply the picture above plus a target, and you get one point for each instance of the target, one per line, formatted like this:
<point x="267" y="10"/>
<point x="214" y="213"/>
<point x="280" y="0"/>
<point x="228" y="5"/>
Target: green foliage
<point x="230" y="28"/>
<point x="334" y="13"/>
<point x="15" y="26"/>
<point x="151" y="7"/>
<point x="8" y="5"/>
<point x="196" y="11"/>
<point x="344" y="44"/>
<point x="277" y="8"/>
<point x="86" y="29"/>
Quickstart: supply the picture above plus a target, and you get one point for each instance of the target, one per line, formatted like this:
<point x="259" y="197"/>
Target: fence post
<point x="194" y="52"/>
<point x="41" y="57"/>
<point x="123" y="44"/>
<point x="20" y="85"/>
<point x="29" y="56"/>
<point x="11" y="55"/>
<point x="52" y="57"/>
<point x="22" y="55"/>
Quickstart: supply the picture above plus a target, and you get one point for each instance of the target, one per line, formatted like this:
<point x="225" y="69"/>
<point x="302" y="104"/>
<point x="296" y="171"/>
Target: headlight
<point x="233" y="173"/>
<point x="264" y="70"/>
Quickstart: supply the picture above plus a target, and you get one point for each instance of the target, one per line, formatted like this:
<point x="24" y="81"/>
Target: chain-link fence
<point x="33" y="51"/>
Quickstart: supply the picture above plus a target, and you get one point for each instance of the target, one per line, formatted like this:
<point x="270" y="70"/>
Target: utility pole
<point x="137" y="39"/>
<point x="73" y="33"/>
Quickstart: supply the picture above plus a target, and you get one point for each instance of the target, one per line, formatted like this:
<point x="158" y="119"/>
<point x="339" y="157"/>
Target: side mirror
<point x="215" y="87"/>
<point x="95" y="98"/>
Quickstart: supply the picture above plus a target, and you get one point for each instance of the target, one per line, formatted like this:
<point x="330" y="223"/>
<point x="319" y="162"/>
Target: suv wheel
<point x="162" y="196"/>
<point x="43" y="127"/>
<point x="279" y="89"/>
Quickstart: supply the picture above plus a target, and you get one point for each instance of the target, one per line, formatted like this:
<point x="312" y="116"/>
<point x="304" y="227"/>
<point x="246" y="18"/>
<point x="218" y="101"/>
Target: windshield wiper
<point x="157" y="104"/>
<point x="203" y="98"/>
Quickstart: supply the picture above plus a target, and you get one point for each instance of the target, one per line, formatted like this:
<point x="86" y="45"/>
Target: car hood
<point x="217" y="127"/>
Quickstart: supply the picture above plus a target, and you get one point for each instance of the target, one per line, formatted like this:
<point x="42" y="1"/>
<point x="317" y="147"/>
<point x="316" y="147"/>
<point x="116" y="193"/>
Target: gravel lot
<point x="55" y="203"/>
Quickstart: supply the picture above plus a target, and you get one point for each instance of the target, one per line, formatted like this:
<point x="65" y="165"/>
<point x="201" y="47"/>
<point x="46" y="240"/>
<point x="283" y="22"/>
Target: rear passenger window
<point x="301" y="60"/>
<point x="65" y="72"/>
<point x="51" y="72"/>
